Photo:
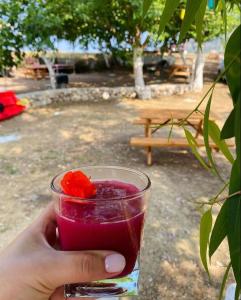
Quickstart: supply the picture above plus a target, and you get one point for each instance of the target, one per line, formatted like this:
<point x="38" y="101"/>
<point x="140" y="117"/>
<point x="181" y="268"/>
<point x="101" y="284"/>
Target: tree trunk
<point x="106" y="59"/>
<point x="183" y="58"/>
<point x="142" y="91"/>
<point x="198" y="71"/>
<point x="51" y="72"/>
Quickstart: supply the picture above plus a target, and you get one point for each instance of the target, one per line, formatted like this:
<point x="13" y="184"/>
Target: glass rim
<point x="129" y="197"/>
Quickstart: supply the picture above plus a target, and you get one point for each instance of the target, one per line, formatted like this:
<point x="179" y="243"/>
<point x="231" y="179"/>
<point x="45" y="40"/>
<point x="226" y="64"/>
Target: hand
<point x="32" y="268"/>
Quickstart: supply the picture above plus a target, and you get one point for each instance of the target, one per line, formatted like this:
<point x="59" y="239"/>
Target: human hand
<point x="32" y="268"/>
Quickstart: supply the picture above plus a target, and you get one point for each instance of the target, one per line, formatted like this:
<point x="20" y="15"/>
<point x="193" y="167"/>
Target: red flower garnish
<point x="77" y="184"/>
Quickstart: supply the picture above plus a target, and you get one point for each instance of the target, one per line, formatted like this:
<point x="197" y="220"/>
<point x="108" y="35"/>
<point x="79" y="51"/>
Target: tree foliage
<point x="25" y="23"/>
<point x="11" y="40"/>
<point x="206" y="25"/>
<point x="110" y="25"/>
<point x="113" y="24"/>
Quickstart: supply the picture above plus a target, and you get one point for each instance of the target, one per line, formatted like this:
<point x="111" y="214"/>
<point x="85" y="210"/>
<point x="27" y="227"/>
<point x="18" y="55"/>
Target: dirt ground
<point x="21" y="84"/>
<point x="53" y="139"/>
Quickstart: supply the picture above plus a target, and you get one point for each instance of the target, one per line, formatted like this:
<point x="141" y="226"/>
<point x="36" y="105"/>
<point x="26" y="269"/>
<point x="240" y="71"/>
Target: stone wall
<point x="98" y="94"/>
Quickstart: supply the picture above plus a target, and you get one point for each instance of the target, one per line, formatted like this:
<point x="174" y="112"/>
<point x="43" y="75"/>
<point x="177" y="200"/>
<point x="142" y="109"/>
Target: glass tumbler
<point x="112" y="220"/>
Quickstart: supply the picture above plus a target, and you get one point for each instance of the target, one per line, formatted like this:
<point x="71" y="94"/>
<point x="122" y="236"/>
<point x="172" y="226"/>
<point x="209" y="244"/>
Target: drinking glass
<point x="105" y="223"/>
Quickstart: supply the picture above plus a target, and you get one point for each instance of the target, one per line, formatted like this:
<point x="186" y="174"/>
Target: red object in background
<point x="9" y="105"/>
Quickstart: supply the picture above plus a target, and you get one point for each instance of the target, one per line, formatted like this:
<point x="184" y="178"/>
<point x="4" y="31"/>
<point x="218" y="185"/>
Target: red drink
<point x="104" y="222"/>
<point x="112" y="219"/>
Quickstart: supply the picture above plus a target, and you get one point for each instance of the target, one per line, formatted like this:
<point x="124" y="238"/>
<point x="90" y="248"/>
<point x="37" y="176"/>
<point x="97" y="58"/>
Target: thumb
<point x="84" y="266"/>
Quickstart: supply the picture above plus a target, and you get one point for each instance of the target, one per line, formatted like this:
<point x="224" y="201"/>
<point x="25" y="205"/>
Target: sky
<point x="65" y="46"/>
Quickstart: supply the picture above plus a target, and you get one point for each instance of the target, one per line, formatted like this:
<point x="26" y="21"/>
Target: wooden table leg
<point x="146" y="129"/>
<point x="35" y="74"/>
<point x="148" y="134"/>
<point x="149" y="156"/>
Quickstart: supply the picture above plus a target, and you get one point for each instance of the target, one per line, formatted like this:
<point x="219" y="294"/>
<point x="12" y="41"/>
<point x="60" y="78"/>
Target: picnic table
<point x="182" y="68"/>
<point x="183" y="71"/>
<point x="154" y="119"/>
<point x="38" y="71"/>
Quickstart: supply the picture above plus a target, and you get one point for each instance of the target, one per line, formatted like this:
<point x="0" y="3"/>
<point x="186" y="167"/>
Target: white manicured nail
<point x="114" y="263"/>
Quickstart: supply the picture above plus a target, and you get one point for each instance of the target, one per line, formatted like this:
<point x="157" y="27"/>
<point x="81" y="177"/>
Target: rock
<point x="98" y="94"/>
<point x="105" y="96"/>
<point x="133" y="95"/>
<point x="144" y="93"/>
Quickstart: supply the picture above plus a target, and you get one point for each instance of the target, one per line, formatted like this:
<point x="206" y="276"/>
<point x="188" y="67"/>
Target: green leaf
<point x="193" y="145"/>
<point x="170" y="7"/>
<point x="234" y="204"/>
<point x="199" y="21"/>
<point x="170" y="133"/>
<point x="233" y="73"/>
<point x="214" y="133"/>
<point x="225" y="276"/>
<point x="233" y="234"/>
<point x="227" y="131"/>
<point x="192" y="8"/>
<point x="224" y="16"/>
<point x="219" y="231"/>
<point x="146" y="6"/>
<point x="206" y="135"/>
<point x="217" y="2"/>
<point x="205" y="229"/>
<point x="237" y="130"/>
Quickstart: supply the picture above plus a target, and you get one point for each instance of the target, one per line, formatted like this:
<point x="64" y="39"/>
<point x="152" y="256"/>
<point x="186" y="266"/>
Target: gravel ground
<point x="57" y="138"/>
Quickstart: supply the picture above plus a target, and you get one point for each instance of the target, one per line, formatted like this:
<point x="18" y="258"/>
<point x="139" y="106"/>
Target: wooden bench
<point x="164" y="142"/>
<point x="194" y="122"/>
<point x="160" y="121"/>
<point x="180" y="71"/>
<point x="28" y="73"/>
<point x="155" y="119"/>
<point x="35" y="73"/>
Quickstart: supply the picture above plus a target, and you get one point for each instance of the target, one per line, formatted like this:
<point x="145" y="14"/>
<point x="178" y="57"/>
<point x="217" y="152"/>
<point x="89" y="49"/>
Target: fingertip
<point x="115" y="263"/>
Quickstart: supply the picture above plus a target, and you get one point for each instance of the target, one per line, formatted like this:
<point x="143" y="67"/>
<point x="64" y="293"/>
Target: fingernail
<point x="114" y="263"/>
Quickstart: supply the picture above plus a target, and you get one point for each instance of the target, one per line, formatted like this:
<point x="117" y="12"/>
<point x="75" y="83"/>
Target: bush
<point x="81" y="66"/>
<point x="100" y="65"/>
